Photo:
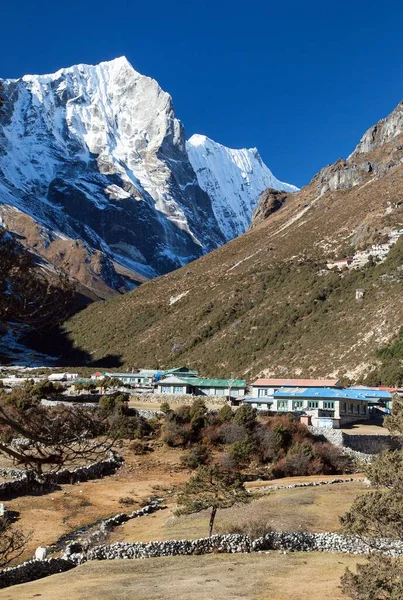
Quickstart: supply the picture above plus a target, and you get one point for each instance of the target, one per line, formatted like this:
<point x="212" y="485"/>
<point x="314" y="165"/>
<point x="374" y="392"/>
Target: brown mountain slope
<point x="264" y="302"/>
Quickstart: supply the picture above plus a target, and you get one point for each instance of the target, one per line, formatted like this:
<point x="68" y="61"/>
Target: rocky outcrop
<point x="379" y="150"/>
<point x="270" y="201"/>
<point x="385" y="131"/>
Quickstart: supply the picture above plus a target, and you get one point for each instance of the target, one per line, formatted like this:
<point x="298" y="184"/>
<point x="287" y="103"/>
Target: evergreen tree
<point x="376" y="514"/>
<point x="212" y="487"/>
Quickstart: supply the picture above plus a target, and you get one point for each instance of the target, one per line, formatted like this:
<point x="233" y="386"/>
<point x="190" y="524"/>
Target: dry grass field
<point x="51" y="516"/>
<point x="271" y="576"/>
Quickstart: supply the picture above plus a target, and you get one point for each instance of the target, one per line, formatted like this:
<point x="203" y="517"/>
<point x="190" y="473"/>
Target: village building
<point x="266" y="387"/>
<point x="323" y="407"/>
<point x="339" y="263"/>
<point x="199" y="386"/>
<point x="63" y="376"/>
<point x="142" y="378"/>
<point x="179" y="372"/>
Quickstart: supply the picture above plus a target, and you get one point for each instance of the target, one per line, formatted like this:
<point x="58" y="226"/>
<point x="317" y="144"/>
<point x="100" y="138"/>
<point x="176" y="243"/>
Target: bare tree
<point x="12" y="541"/>
<point x="36" y="436"/>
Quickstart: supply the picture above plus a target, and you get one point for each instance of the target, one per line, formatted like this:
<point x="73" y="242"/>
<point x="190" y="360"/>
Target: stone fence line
<point x="27" y="482"/>
<point x="291" y="486"/>
<point x="288" y="541"/>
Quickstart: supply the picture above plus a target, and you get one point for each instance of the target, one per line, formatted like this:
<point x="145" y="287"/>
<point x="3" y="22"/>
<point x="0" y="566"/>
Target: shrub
<point x="127" y="501"/>
<point x="138" y="447"/>
<point x="197" y="456"/>
<point x="225" y="414"/>
<point x="253" y="526"/>
<point x="245" y="416"/>
<point x="232" y="432"/>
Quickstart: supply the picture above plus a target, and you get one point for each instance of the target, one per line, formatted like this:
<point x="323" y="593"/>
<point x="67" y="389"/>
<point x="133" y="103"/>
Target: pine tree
<point x="212" y="487"/>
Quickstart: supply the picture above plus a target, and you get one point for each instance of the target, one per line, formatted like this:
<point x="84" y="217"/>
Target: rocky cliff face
<point x="269" y="202"/>
<point x="96" y="154"/>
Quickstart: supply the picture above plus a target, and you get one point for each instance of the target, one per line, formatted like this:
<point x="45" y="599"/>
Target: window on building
<point x="235" y="392"/>
<point x="343" y="407"/>
<point x="282" y="405"/>
<point x="351" y="408"/>
<point x="166" y="389"/>
<point x="297" y="404"/>
<point x="313" y="404"/>
<point x="219" y="392"/>
<point x="178" y="389"/>
<point x="328" y="404"/>
<point x="357" y="408"/>
<point x="364" y="409"/>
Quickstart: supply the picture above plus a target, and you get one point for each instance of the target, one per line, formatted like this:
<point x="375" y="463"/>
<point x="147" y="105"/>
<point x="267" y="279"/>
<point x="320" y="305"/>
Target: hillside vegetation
<point x="265" y="303"/>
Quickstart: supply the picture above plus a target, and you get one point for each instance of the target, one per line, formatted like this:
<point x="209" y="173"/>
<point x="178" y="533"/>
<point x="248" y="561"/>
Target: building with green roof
<point x="200" y="386"/>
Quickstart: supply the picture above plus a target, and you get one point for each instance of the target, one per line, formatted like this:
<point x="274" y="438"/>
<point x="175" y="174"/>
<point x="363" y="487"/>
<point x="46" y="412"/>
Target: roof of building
<point x="332" y="394"/>
<point x="180" y="370"/>
<point x="202" y="382"/>
<point x="297" y="383"/>
<point x="143" y="373"/>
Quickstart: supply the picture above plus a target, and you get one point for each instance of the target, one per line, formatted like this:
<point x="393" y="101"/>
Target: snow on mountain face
<point x="234" y="180"/>
<point x="96" y="153"/>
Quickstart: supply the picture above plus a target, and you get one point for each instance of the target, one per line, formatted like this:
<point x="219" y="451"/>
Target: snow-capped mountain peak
<point x="234" y="180"/>
<point x="96" y="153"/>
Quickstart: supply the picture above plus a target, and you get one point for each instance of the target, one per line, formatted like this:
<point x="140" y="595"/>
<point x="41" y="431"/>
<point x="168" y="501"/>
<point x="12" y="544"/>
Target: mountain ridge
<point x="266" y="303"/>
<point x="95" y="154"/>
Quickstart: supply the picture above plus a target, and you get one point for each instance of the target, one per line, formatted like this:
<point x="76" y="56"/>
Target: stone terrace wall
<point x="178" y="399"/>
<point x="32" y="570"/>
<point x="367" y="444"/>
<point x="27" y="482"/>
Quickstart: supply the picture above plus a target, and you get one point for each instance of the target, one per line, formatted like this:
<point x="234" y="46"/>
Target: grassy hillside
<point x="264" y="304"/>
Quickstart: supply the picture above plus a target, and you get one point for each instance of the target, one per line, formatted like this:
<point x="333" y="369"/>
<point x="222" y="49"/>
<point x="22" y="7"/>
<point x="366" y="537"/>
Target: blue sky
<point x="302" y="81"/>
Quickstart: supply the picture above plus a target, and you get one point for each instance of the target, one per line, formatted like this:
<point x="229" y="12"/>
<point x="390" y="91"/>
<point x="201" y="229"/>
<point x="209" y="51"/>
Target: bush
<point x="225" y="414"/>
<point x="127" y="501"/>
<point x="197" y="456"/>
<point x="253" y="526"/>
<point x="138" y="447"/>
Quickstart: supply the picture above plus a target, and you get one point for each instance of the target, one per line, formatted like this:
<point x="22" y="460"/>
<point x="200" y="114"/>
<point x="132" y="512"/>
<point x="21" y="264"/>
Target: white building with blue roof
<point x="326" y="407"/>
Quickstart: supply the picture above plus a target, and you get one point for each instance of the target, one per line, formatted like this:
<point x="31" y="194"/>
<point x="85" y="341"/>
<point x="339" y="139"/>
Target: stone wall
<point x="232" y="543"/>
<point x="326" y="542"/>
<point x="179" y="399"/>
<point x="32" y="570"/>
<point x="217" y="543"/>
<point x="27" y="482"/>
<point x="365" y="444"/>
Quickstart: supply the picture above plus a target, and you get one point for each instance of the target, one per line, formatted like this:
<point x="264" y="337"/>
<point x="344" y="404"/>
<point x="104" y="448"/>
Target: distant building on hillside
<point x="339" y="263"/>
